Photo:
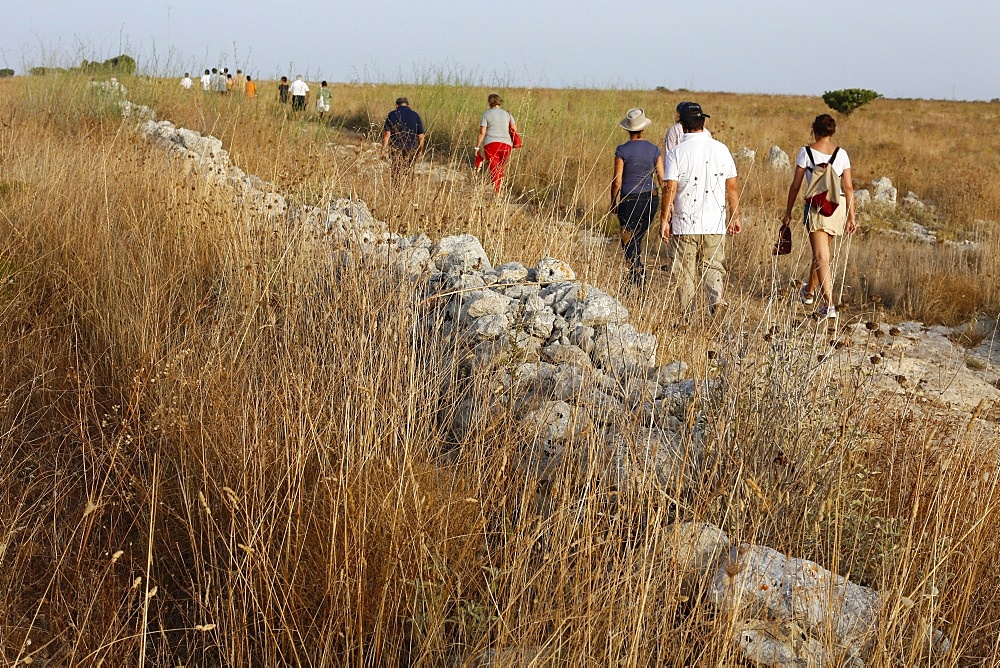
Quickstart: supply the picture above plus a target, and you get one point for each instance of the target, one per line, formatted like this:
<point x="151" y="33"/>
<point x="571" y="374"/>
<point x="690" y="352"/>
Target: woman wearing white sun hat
<point x="638" y="174"/>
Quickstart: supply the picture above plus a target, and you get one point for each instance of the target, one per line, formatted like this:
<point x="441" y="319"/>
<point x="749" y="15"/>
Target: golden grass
<point x="218" y="450"/>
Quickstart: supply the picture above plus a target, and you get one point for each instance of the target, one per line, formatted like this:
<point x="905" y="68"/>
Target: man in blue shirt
<point x="402" y="136"/>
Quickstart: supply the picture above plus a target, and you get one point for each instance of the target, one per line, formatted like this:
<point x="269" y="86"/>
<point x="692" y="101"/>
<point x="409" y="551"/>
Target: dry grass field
<point x="213" y="456"/>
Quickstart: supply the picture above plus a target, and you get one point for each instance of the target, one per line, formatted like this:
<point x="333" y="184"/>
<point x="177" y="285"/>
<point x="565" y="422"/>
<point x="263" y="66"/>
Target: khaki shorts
<point x="833" y="225"/>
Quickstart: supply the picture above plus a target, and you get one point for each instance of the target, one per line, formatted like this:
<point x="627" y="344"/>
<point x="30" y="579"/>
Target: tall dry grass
<point x="219" y="449"/>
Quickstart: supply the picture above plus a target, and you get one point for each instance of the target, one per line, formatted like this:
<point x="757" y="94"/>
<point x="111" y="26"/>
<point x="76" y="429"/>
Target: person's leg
<point x="497" y="154"/>
<point x="682" y="269"/>
<point x="713" y="253"/>
<point x="628" y="219"/>
<point x="646" y="210"/>
<point x="821" y="275"/>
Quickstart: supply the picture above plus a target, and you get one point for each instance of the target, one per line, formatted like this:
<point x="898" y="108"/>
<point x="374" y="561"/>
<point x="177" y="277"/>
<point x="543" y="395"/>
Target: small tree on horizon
<point x="847" y="100"/>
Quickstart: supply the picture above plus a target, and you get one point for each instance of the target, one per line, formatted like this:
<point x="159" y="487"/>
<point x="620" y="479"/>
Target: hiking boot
<point x="827" y="313"/>
<point x="806" y="298"/>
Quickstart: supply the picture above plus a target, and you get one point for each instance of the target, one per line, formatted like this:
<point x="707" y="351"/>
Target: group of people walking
<point x="403" y="137"/>
<point x="694" y="193"/>
<point x="221" y="81"/>
<point x="690" y="186"/>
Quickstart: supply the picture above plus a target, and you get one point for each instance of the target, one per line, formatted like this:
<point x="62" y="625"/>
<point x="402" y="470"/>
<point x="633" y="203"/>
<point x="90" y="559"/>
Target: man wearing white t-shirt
<point x="703" y="192"/>
<point x="300" y="92"/>
<point x="206" y="81"/>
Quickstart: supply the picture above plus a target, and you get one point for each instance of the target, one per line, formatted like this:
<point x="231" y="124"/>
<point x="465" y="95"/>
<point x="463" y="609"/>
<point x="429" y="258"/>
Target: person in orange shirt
<point x="251" y="88"/>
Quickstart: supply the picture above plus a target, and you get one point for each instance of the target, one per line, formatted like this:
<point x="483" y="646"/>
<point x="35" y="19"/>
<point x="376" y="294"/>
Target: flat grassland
<point x="211" y="456"/>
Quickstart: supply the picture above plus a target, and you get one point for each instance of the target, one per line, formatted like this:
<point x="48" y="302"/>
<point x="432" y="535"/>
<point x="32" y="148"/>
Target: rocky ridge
<point x="568" y="359"/>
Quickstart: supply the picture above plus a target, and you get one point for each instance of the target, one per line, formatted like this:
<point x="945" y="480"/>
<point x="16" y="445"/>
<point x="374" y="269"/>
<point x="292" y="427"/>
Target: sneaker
<point x="828" y="313"/>
<point x="806" y="298"/>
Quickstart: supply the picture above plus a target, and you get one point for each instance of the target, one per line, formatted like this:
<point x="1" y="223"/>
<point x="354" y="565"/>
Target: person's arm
<point x="661" y="183"/>
<point x="733" y="205"/>
<point x="847" y="186"/>
<point x="793" y="194"/>
<point x="385" y="142"/>
<point x="480" y="138"/>
<point x="666" y="208"/>
<point x="616" y="183"/>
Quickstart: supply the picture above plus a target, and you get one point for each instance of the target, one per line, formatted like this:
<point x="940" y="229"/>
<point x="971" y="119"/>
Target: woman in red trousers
<point x="495" y="129"/>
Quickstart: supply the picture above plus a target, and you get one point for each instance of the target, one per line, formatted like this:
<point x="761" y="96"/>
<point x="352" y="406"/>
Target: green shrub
<point x="6" y="72"/>
<point x="847" y="100"/>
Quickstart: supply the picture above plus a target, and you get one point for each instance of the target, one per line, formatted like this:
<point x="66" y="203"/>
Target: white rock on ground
<point x="778" y="159"/>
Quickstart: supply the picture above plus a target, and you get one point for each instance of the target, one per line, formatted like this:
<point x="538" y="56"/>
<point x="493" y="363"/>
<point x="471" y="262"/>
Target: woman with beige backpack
<point x="829" y="206"/>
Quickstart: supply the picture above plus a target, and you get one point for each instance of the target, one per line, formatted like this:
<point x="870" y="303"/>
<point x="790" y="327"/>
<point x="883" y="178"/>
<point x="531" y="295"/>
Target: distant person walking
<point x="218" y="81"/>
<point x="206" y="81"/>
<point x="496" y="128"/>
<point x="323" y="99"/>
<point x="186" y="82"/>
<point x="402" y="137"/>
<point x="283" y="91"/>
<point x="230" y="84"/>
<point x="300" y="94"/>
<point x="250" y="90"/>
<point x="241" y="82"/>
<point x="812" y="162"/>
<point x="703" y="195"/>
<point x="638" y="174"/>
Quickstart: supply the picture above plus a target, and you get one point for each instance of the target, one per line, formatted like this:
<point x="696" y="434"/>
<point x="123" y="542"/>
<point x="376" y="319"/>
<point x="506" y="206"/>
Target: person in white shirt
<point x="300" y="93"/>
<point x="186" y="82"/>
<point x="206" y="81"/>
<point x="822" y="229"/>
<point x="703" y="195"/>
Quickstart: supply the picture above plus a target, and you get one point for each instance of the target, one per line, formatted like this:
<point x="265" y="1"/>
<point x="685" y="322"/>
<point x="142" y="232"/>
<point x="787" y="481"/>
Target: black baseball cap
<point x="691" y="111"/>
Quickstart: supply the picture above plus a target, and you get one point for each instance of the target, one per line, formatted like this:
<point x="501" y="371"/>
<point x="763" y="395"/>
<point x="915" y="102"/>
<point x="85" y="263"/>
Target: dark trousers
<point x="635" y="214"/>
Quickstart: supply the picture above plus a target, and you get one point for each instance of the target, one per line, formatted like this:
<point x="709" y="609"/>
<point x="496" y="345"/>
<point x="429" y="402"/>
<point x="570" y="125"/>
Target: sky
<point x="900" y="48"/>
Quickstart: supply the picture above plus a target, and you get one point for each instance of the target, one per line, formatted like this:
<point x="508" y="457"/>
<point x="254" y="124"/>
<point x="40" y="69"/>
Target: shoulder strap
<point x="812" y="161"/>
<point x="834" y="156"/>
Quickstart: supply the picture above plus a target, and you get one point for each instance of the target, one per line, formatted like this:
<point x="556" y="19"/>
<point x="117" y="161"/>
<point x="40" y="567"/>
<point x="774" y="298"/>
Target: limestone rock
<point x="745" y="155"/>
<point x="669" y="374"/>
<point x="862" y="198"/>
<point x="650" y="455"/>
<point x="535" y="377"/>
<point x="781" y="643"/>
<point x="583" y="337"/>
<point x="778" y="159"/>
<point x="621" y="350"/>
<point x="885" y="193"/>
<point x="558" y="353"/>
<point x="490" y="326"/>
<point x="594" y="307"/>
<point x="697" y="549"/>
<point x="539" y="323"/>
<point x="550" y="428"/>
<point x="913" y="200"/>
<point x="551" y="270"/>
<point x="512" y="272"/>
<point x="460" y="254"/>
<point x="760" y="582"/>
<point x="483" y="302"/>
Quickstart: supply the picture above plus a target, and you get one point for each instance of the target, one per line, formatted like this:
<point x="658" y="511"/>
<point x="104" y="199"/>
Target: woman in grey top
<point x="494" y="138"/>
